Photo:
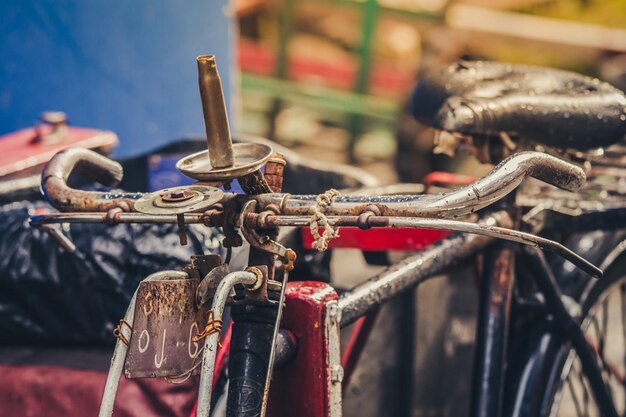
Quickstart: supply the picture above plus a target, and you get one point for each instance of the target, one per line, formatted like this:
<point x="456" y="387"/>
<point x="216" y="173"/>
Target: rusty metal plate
<point x="166" y="319"/>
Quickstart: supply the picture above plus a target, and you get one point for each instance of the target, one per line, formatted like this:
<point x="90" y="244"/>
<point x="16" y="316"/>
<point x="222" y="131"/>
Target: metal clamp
<point x="264" y="243"/>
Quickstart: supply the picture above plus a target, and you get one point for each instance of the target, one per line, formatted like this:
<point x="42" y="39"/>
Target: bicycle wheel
<point x="552" y="382"/>
<point x="605" y="330"/>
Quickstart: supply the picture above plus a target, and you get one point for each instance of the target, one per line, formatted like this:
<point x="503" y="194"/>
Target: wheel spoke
<point x="622" y="289"/>
<point x="602" y="332"/>
<point x="581" y="379"/>
<point x="575" y="400"/>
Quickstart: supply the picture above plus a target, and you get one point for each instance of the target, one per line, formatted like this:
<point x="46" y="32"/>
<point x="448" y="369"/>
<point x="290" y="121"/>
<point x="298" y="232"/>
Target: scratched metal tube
<point x="211" y="342"/>
<point x="486" y="228"/>
<point x="498" y="183"/>
<point x="414" y="270"/>
<point x="119" y="354"/>
<point x="214" y="110"/>
<point x="407" y="274"/>
<point x="119" y="218"/>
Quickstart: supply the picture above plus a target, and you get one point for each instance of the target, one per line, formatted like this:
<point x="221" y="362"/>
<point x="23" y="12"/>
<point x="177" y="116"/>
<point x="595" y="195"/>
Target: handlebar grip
<point x="94" y="166"/>
<point x="509" y="174"/>
<point x="503" y="179"/>
<point x="562" y="174"/>
<point x="544" y="167"/>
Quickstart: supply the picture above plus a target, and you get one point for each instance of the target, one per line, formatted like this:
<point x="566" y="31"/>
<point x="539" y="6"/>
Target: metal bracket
<point x="264" y="243"/>
<point x="259" y="294"/>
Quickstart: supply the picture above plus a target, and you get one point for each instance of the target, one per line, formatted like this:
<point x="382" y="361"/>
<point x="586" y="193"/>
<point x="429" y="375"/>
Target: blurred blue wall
<point x="127" y="66"/>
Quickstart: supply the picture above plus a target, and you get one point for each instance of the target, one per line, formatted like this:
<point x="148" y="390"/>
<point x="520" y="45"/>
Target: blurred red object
<point x="24" y="152"/>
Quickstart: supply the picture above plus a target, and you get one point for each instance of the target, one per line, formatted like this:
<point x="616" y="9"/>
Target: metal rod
<point x="119" y="354"/>
<point x="211" y="342"/>
<point x="494" y="186"/>
<point x="218" y="137"/>
<point x="119" y="218"/>
<point x="272" y="358"/>
<point x="411" y="272"/>
<point x="501" y="233"/>
<point x="95" y="166"/>
<point x="486" y="229"/>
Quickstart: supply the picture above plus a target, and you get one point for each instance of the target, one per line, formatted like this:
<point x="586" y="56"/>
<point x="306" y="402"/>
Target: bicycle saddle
<point x="547" y="106"/>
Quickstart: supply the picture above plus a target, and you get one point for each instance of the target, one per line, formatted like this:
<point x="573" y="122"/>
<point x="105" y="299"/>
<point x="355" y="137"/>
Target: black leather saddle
<point x="552" y="107"/>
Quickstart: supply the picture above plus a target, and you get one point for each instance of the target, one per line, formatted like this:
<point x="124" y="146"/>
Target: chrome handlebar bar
<point x="498" y="183"/>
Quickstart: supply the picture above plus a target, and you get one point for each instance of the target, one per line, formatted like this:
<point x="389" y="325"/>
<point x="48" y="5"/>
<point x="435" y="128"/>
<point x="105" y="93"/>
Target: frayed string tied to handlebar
<point x="212" y="326"/>
<point x="318" y="219"/>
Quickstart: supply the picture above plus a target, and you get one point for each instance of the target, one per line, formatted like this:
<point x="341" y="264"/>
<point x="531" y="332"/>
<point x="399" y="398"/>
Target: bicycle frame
<point x="318" y="363"/>
<point x="495" y="301"/>
<point x="309" y="383"/>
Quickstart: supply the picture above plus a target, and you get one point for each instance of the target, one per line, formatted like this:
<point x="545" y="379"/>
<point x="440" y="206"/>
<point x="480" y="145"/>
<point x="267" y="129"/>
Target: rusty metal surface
<point x="102" y="217"/>
<point x="208" y="285"/>
<point x="496" y="295"/>
<point x="502" y="180"/>
<point x="301" y="386"/>
<point x="201" y="265"/>
<point x="119" y="354"/>
<point x="179" y="200"/>
<point x="254" y="183"/>
<point x="274" y="170"/>
<point x="211" y="341"/>
<point x="264" y="242"/>
<point x="248" y="157"/>
<point x="166" y="319"/>
<point x="103" y="170"/>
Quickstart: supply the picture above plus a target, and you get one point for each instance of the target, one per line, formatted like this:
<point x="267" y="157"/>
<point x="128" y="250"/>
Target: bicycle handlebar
<point x="91" y="164"/>
<point x="499" y="182"/>
<point x="505" y="177"/>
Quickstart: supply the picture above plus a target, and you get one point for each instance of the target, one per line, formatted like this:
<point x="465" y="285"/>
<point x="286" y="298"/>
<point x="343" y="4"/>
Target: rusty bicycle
<point x="544" y="322"/>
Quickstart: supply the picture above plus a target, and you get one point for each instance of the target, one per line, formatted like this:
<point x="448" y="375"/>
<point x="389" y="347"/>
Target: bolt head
<point x="336" y="374"/>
